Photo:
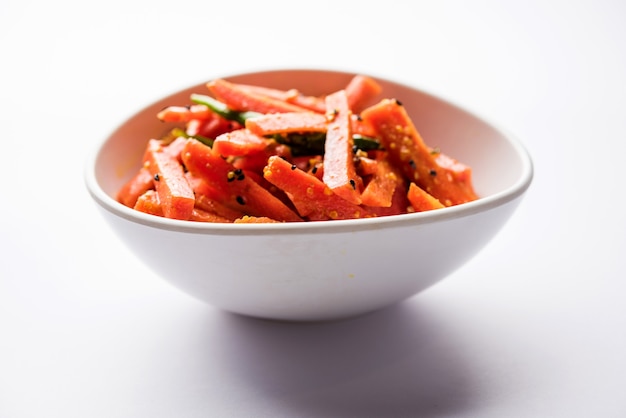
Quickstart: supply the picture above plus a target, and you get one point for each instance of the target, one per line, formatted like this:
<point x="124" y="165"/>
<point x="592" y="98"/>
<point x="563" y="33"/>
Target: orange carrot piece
<point x="143" y="180"/>
<point x="408" y="151"/>
<point x="256" y="161"/>
<point x="421" y="200"/>
<point x="312" y="103"/>
<point x="175" y="193"/>
<point x="361" y="90"/>
<point x="211" y="127"/>
<point x="242" y="99"/>
<point x="366" y="166"/>
<point x="311" y="197"/>
<point x="461" y="171"/>
<point x="210" y="200"/>
<point x="140" y="183"/>
<point x="239" y="142"/>
<point x="255" y="220"/>
<point x="399" y="204"/>
<point x="149" y="203"/>
<point x="239" y="190"/>
<point x="275" y="123"/>
<point x="184" y="113"/>
<point x="213" y="206"/>
<point x="200" y="215"/>
<point x="381" y="187"/>
<point x="362" y="127"/>
<point x="339" y="171"/>
<point x="279" y="94"/>
<point x="175" y="147"/>
<point x="293" y="96"/>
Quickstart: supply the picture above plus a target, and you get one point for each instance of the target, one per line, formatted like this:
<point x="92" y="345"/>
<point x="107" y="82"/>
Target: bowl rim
<point x="482" y="204"/>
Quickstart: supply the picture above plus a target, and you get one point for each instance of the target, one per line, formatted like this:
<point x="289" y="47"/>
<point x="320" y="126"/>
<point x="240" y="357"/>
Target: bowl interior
<point x="500" y="164"/>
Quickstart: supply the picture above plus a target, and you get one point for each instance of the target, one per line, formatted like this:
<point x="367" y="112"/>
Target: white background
<point x="535" y="326"/>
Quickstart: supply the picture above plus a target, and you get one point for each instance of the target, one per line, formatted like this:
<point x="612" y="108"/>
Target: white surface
<point x="534" y="326"/>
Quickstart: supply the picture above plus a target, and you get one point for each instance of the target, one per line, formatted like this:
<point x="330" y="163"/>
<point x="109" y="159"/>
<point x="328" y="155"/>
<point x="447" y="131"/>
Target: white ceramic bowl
<point x="322" y="270"/>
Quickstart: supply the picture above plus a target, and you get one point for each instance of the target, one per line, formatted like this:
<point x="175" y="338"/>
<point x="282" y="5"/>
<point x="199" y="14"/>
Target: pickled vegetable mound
<point x="255" y="154"/>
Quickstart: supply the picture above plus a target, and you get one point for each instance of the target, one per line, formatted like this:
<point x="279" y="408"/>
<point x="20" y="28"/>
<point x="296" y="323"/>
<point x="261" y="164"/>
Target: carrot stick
<point x="209" y="199"/>
<point x="256" y="161"/>
<point x="408" y="151"/>
<point x="311" y="197"/>
<point x="421" y="200"/>
<point x="175" y="193"/>
<point x="211" y="127"/>
<point x="140" y="183"/>
<point x="255" y="220"/>
<point x="293" y="96"/>
<point x="312" y="103"/>
<point x="200" y="215"/>
<point x="239" y="190"/>
<point x="184" y="113"/>
<point x="362" y="127"/>
<point x="461" y="171"/>
<point x="213" y="206"/>
<point x="239" y="142"/>
<point x="282" y="123"/>
<point x="149" y="203"/>
<point x="279" y="94"/>
<point x="360" y="91"/>
<point x="339" y="171"/>
<point x="381" y="187"/>
<point x="399" y="204"/>
<point x="366" y="166"/>
<point x="241" y="99"/>
<point x="143" y="180"/>
<point x="175" y="147"/>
